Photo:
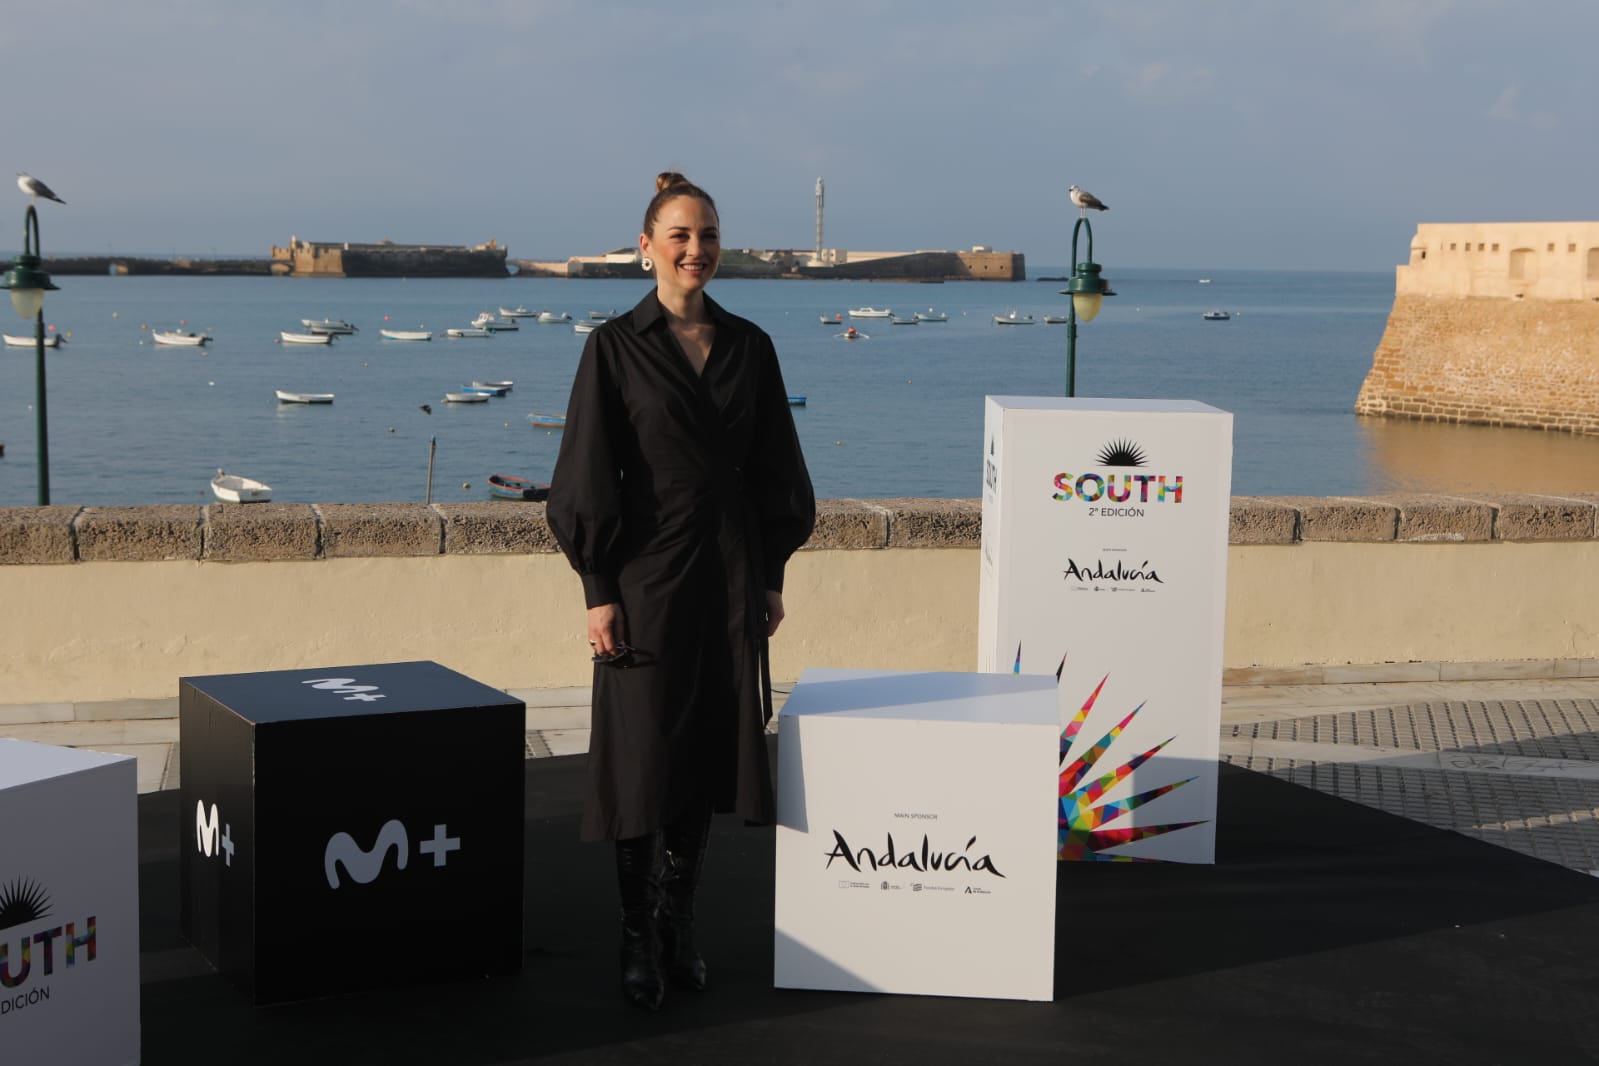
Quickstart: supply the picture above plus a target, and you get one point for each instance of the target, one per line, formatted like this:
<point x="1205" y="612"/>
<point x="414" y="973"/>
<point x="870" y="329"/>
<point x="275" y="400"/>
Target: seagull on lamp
<point x="36" y="188"/>
<point x="1085" y="201"/>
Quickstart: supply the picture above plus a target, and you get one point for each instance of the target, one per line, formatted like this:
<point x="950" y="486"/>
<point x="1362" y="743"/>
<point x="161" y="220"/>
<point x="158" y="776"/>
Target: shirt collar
<point x="648" y="312"/>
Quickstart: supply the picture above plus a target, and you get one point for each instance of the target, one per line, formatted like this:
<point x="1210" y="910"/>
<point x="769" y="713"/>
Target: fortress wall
<point x="1495" y="324"/>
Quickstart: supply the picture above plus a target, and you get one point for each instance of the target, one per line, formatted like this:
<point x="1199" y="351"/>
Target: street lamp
<point x="28" y="284"/>
<point x="1087" y="289"/>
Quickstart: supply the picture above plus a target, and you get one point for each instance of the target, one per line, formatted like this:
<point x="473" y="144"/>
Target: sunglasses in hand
<point x="621" y="656"/>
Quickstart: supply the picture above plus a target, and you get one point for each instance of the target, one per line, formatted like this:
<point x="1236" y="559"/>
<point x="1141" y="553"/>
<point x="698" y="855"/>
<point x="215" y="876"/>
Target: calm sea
<point x="898" y="414"/>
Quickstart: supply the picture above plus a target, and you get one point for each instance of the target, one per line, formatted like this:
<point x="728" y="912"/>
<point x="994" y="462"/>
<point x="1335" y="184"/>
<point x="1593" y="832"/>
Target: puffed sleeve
<point x="585" y="508"/>
<point x="786" y="501"/>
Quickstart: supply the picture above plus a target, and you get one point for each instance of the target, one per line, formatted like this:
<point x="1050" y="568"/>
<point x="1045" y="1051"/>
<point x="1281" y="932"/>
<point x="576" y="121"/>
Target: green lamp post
<point x="28" y="284"/>
<point x="1087" y="289"/>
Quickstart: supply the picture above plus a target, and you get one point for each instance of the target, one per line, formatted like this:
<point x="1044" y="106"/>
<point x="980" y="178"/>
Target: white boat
<point x="1204" y="281"/>
<point x="583" y="327"/>
<point x="1057" y="320"/>
<point x="305" y="338"/>
<point x="1012" y="318"/>
<point x="554" y="316"/>
<point x="904" y="320"/>
<point x="931" y="315"/>
<point x="485" y="390"/>
<point x="506" y="385"/>
<point x="179" y="337"/>
<point x="473" y="331"/>
<point x="488" y="321"/>
<point x="871" y="312"/>
<point x="406" y="334"/>
<point x="327" y="325"/>
<point x="1216" y="316"/>
<point x="231" y="488"/>
<point x="51" y="340"/>
<point x="466" y="397"/>
<point x="602" y="316"/>
<point x="516" y="312"/>
<point x="303" y="397"/>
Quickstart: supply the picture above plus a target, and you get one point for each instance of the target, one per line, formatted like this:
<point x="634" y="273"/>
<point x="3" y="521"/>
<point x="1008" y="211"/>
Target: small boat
<point x="1057" y="320"/>
<point x="488" y="321"/>
<point x="51" y="340"/>
<point x="506" y="385"/>
<point x="834" y="320"/>
<point x="405" y="334"/>
<point x="554" y="316"/>
<point x="1204" y="281"/>
<point x="516" y="312"/>
<point x="900" y="320"/>
<point x="486" y="390"/>
<point x="549" y="421"/>
<point x="472" y="331"/>
<point x="231" y="488"/>
<point x="796" y="401"/>
<point x="853" y="334"/>
<point x="870" y="312"/>
<point x="305" y="338"/>
<point x="506" y="487"/>
<point x="466" y="397"/>
<point x="931" y="315"/>
<point x="583" y="327"/>
<point x="1216" y="316"/>
<point x="327" y="325"/>
<point x="602" y="316"/>
<point x="181" y="337"/>
<point x="1012" y="318"/>
<point x="304" y="397"/>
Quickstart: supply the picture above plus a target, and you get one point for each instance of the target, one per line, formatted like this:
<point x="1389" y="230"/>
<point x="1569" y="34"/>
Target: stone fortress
<point x="1493" y="323"/>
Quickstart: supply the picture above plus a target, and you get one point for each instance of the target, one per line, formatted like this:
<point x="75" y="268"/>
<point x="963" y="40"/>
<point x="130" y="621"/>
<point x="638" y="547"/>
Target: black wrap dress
<point x="681" y="497"/>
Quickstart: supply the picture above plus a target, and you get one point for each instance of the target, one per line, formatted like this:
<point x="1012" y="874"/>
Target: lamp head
<point x="1087" y="289"/>
<point x="28" y="285"/>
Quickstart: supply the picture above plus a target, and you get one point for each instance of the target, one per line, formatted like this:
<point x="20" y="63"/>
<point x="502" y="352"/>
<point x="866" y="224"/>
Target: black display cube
<point x="351" y="827"/>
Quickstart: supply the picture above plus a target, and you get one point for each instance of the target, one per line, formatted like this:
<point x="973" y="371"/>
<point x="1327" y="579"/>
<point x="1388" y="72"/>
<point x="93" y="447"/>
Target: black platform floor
<point x="1327" y="932"/>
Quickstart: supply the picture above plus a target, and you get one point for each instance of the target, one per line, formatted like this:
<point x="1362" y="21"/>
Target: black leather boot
<point x="638" y="861"/>
<point x="680" y="875"/>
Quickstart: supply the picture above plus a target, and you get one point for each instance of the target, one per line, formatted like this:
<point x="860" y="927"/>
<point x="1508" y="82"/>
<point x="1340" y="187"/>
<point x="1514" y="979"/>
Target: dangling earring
<point x="647" y="263"/>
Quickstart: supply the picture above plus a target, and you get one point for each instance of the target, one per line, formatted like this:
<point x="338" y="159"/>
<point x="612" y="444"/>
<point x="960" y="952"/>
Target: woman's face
<point x="685" y="245"/>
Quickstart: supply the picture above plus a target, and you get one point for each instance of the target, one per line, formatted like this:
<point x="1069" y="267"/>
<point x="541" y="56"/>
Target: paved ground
<point x="1510" y="763"/>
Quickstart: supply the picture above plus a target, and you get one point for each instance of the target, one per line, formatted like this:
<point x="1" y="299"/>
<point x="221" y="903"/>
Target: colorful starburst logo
<point x="22" y="901"/>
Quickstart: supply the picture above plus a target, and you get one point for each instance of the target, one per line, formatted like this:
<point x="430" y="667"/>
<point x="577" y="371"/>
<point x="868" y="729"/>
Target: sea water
<point x="897" y="413"/>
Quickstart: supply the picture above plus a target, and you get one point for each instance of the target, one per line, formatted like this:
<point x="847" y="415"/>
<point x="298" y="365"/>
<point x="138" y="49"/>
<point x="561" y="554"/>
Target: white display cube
<point x="1104" y="557"/>
<point x="69" y="905"/>
<point x="914" y="830"/>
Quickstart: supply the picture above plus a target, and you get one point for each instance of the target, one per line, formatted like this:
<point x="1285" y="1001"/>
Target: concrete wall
<point x="117" y="603"/>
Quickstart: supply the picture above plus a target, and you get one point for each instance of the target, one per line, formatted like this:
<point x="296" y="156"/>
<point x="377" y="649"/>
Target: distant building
<point x="385" y="259"/>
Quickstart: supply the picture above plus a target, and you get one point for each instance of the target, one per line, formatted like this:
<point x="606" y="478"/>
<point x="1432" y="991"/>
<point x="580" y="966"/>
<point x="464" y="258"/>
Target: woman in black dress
<point x="679" y="494"/>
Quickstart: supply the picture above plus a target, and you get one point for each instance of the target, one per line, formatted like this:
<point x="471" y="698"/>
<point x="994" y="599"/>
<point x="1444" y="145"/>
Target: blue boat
<point x="796" y="401"/>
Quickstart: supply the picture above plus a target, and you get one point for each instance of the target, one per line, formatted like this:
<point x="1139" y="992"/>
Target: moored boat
<point x="51" y="340"/>
<point x="931" y="315"/>
<point x="180" y="337"/>
<point x="870" y="312"/>
<point x="486" y="390"/>
<point x="832" y="320"/>
<point x="472" y="331"/>
<point x="516" y="312"/>
<point x="327" y="325"/>
<point x="488" y="321"/>
<point x="506" y="385"/>
<point x="506" y="487"/>
<point x="548" y="421"/>
<point x="796" y="401"/>
<point x="405" y="334"/>
<point x="466" y="397"/>
<point x="548" y="317"/>
<point x="305" y="338"/>
<point x="231" y="488"/>
<point x="1216" y="316"/>
<point x="1013" y="318"/>
<point x="583" y="327"/>
<point x="1057" y="320"/>
<point x="903" y="320"/>
<point x="602" y="316"/>
<point x="303" y="397"/>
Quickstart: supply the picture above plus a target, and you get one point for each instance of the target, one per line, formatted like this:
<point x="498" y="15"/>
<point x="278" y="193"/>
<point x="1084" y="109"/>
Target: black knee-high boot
<point x="685" y="843"/>
<point x="638" y="863"/>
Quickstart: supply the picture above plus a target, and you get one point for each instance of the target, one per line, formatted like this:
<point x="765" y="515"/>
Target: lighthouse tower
<point x="820" y="197"/>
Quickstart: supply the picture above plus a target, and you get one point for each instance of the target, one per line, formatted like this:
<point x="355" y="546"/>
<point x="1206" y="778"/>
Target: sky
<point x="1223" y="134"/>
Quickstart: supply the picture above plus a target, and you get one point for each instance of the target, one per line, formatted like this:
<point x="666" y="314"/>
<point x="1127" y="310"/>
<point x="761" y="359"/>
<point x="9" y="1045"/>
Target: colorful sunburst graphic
<point x="1083" y="817"/>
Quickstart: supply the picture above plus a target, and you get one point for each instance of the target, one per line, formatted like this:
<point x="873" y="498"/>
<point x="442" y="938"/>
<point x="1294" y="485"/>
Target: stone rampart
<point x="1493" y="324"/>
<point x="114" y="603"/>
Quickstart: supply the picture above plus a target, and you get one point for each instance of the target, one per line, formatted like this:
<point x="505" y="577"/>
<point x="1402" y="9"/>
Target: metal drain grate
<point x="536" y="746"/>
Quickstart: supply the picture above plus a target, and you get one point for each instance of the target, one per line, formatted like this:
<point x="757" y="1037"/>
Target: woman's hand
<point x="774" y="611"/>
<point x="605" y="628"/>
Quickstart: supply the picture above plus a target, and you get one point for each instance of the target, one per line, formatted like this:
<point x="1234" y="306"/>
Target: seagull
<point x="36" y="188"/>
<point x="1084" y="200"/>
<point x="425" y="409"/>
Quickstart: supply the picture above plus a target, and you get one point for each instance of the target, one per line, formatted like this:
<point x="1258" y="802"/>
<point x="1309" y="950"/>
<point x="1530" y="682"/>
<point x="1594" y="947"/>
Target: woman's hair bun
<point x="668" y="178"/>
